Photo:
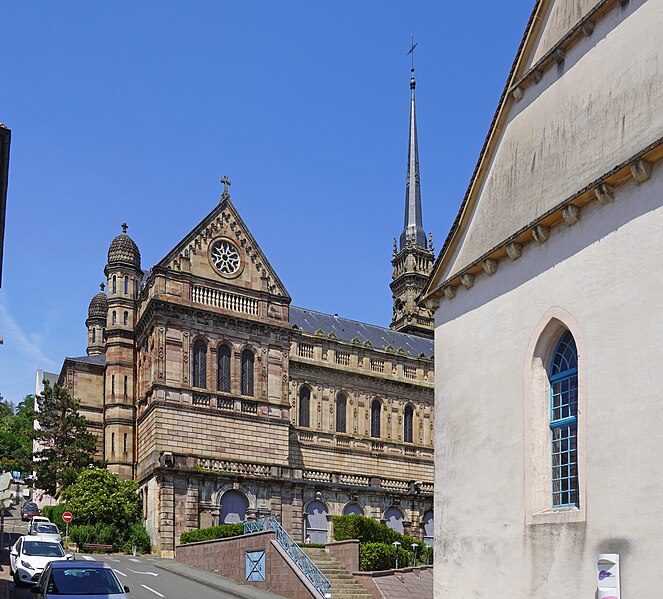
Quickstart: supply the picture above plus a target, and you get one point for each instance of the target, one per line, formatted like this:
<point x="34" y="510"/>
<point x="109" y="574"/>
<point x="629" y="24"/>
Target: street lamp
<point x="396" y="545"/>
<point x="414" y="549"/>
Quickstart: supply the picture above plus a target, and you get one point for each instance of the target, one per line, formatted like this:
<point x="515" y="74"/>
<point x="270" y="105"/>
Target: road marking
<point x="150" y="573"/>
<point x="117" y="561"/>
<point x="133" y="559"/>
<point x="149" y="589"/>
<point x="88" y="558"/>
<point x="122" y="573"/>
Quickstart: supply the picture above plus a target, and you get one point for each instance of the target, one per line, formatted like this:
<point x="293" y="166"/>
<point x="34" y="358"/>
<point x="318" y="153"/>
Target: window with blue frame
<point x="563" y="378"/>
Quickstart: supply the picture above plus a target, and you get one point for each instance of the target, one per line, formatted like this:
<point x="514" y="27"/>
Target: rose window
<point x="225" y="257"/>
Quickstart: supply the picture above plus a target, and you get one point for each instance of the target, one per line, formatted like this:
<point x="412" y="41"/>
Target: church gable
<point x="556" y="133"/>
<point x="557" y="18"/>
<point x="221" y="249"/>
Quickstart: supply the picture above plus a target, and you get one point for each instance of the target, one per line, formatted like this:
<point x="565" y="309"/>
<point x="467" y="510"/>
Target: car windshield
<point x="42" y="549"/>
<point x="30" y="506"/>
<point x="48" y="529"/>
<point x="83" y="581"/>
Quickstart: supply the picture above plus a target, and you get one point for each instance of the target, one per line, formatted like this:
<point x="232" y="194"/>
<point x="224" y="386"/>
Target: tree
<point x="99" y="496"/>
<point x="16" y="425"/>
<point x="66" y="445"/>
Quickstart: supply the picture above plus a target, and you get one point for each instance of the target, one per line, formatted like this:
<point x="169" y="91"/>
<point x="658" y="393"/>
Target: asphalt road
<point x="145" y="581"/>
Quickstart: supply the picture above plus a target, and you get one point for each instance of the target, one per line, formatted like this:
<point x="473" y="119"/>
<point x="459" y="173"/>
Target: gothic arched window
<point x="126" y="318"/>
<point x="563" y="378"/>
<point x="223" y="370"/>
<point x="126" y="285"/>
<point x="305" y="407"/>
<point x="407" y="424"/>
<point x="341" y="411"/>
<point x="200" y="364"/>
<point x="376" y="407"/>
<point x="114" y="284"/>
<point x="247" y="372"/>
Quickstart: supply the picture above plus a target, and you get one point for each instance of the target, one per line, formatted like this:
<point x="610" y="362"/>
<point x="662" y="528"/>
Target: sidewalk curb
<point x="246" y="592"/>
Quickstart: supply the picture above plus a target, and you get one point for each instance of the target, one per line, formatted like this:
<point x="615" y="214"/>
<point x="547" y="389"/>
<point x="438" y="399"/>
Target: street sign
<point x="67" y="517"/>
<point x="5" y="481"/>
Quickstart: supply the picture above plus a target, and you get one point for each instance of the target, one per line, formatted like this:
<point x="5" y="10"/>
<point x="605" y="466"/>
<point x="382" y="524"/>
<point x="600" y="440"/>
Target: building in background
<point x="548" y="326"/>
<point x="223" y="400"/>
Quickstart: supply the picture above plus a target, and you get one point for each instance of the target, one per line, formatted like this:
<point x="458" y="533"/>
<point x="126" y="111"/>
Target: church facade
<point x="548" y="287"/>
<point x="223" y="400"/>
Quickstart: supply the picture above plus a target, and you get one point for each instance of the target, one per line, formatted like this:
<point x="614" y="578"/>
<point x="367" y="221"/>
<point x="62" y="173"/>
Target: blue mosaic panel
<point x="255" y="566"/>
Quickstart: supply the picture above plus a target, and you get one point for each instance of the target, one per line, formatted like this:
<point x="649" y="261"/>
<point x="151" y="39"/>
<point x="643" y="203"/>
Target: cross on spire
<point x="226" y="183"/>
<point x="124" y="228"/>
<point x="411" y="51"/>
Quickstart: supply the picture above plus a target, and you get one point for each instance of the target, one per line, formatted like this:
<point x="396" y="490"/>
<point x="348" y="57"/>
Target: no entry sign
<point x="67" y="517"/>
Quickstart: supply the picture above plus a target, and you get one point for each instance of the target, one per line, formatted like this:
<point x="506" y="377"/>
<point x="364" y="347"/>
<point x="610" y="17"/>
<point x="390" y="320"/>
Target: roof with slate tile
<point x="345" y="329"/>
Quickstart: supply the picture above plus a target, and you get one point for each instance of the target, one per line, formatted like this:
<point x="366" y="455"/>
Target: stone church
<point x="223" y="400"/>
<point x="549" y="286"/>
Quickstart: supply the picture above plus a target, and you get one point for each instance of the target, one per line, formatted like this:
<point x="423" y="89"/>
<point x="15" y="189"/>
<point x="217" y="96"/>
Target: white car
<point x="36" y="520"/>
<point x="47" y="530"/>
<point x="30" y="555"/>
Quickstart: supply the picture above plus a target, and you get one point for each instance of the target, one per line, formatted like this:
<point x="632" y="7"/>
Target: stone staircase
<point x="343" y="584"/>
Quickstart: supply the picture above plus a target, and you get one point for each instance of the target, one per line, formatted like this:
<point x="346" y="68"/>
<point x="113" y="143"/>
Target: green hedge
<point x="376" y="551"/>
<point x="214" y="532"/>
<point x="108" y="534"/>
<point x="54" y="514"/>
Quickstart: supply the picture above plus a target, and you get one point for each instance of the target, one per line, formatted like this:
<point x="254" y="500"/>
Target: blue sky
<point x="134" y="111"/>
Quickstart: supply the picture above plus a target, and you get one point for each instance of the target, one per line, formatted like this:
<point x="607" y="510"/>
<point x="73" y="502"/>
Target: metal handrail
<point x="294" y="551"/>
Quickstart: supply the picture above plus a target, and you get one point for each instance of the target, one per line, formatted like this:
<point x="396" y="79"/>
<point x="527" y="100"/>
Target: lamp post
<point x="396" y="545"/>
<point x="414" y="550"/>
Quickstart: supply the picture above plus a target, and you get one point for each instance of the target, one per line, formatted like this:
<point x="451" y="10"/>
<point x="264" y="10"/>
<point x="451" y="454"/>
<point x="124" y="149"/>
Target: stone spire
<point x="413" y="230"/>
<point x="413" y="259"/>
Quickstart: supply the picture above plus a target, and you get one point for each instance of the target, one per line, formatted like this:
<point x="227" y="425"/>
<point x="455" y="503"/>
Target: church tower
<point x="124" y="276"/>
<point x="413" y="256"/>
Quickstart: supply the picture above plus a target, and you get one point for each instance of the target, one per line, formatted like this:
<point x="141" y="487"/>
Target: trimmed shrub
<point x="137" y="536"/>
<point x="371" y="532"/>
<point x="109" y="534"/>
<point x="382" y="556"/>
<point x="214" y="532"/>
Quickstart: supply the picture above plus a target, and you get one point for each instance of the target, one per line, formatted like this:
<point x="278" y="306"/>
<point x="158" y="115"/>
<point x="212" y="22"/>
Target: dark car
<point x="73" y="579"/>
<point x="29" y="510"/>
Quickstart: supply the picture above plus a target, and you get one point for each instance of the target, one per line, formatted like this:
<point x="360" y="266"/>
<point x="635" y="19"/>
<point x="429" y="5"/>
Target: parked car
<point x="37" y="520"/>
<point x="47" y="530"/>
<point x="74" y="579"/>
<point x="30" y="555"/>
<point x="29" y="510"/>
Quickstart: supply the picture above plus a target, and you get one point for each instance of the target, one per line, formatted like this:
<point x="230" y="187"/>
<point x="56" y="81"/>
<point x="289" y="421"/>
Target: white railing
<point x="225" y="300"/>
<point x="305" y="350"/>
<point x="234" y="467"/>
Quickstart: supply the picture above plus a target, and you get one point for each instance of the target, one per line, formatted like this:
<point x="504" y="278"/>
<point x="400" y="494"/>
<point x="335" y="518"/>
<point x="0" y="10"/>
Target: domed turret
<point x="97" y="313"/>
<point x="98" y="307"/>
<point x="123" y="249"/>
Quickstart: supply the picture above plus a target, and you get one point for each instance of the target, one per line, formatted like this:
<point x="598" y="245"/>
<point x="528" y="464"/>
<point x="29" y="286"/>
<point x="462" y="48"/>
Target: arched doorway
<point x="429" y="528"/>
<point x="393" y="518"/>
<point x="353" y="509"/>
<point x="316" y="522"/>
<point x="233" y="507"/>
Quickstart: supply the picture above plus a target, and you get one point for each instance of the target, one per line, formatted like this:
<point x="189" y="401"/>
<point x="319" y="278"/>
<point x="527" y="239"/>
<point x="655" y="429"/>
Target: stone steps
<point x="343" y="584"/>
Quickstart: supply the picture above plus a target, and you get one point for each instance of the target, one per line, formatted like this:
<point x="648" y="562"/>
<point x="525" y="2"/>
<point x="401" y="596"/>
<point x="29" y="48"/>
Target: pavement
<point x="147" y="577"/>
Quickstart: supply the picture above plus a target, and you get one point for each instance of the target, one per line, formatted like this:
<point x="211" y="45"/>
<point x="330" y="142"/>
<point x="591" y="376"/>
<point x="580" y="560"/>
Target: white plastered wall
<point x="605" y="274"/>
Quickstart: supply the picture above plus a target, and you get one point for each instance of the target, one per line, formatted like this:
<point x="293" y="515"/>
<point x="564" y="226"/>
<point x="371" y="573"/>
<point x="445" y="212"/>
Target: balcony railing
<point x="224" y="300"/>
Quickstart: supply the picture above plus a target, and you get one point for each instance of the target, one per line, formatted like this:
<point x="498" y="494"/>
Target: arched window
<point x="94" y="335"/>
<point x="233" y="507"/>
<point x="126" y="318"/>
<point x="407" y="424"/>
<point x="114" y="284"/>
<point x="317" y="524"/>
<point x="126" y="285"/>
<point x="563" y="378"/>
<point x="114" y="317"/>
<point x="200" y="364"/>
<point x="376" y="407"/>
<point x="247" y="372"/>
<point x="341" y="411"/>
<point x="223" y="370"/>
<point x="305" y="407"/>
<point x="393" y="518"/>
<point x="429" y="528"/>
<point x="126" y="386"/>
<point x="353" y="509"/>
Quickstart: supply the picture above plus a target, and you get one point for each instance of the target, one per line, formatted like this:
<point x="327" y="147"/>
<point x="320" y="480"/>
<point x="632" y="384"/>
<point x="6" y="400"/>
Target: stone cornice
<point x="602" y="190"/>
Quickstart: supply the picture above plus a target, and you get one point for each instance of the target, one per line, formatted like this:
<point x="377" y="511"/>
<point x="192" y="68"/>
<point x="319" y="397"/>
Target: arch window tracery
<point x="223" y="370"/>
<point x="408" y="419"/>
<point x="247" y="372"/>
<point x="341" y="412"/>
<point x="376" y="408"/>
<point x="305" y="407"/>
<point x="199" y="378"/>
